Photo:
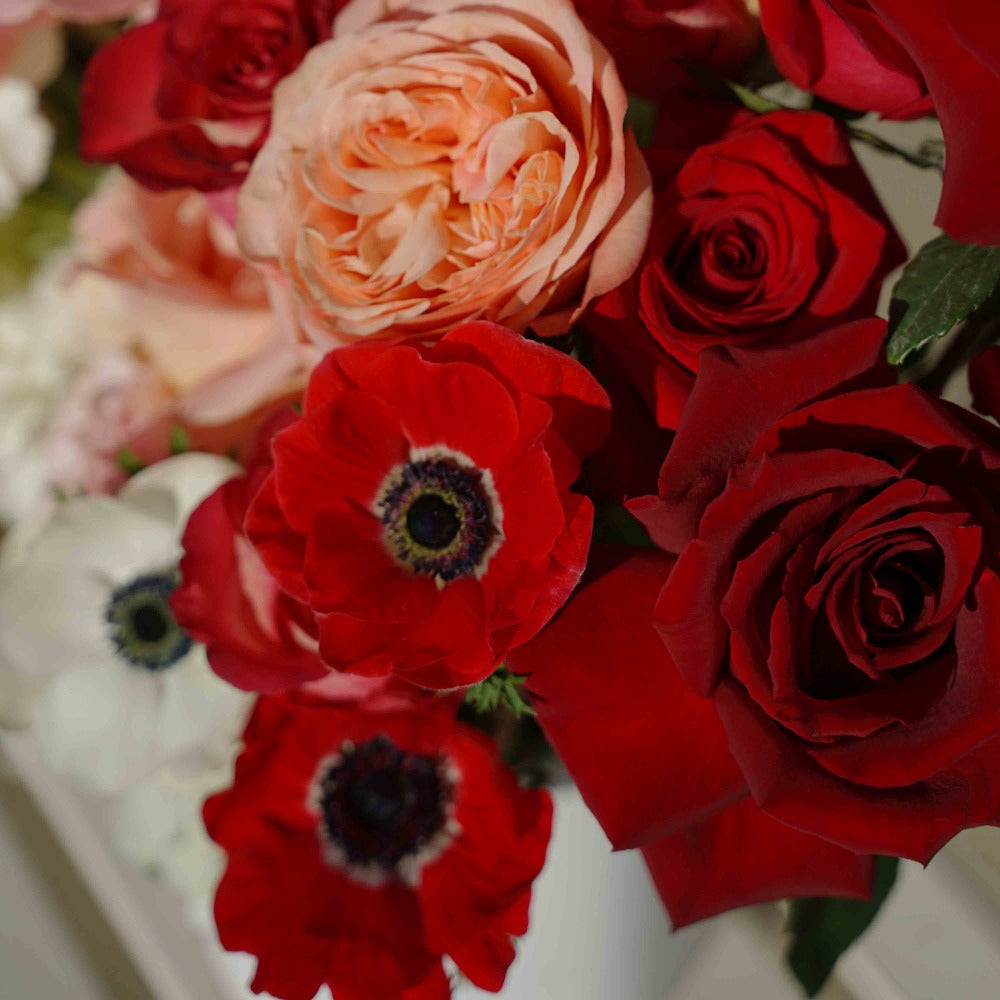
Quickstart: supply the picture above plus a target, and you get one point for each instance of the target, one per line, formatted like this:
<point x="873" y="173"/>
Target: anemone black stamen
<point x="143" y="628"/>
<point x="380" y="806"/>
<point x="441" y="517"/>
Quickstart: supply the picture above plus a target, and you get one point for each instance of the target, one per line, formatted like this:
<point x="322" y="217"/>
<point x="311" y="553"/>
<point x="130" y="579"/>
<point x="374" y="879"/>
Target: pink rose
<point x="444" y="162"/>
<point x="181" y="296"/>
<point x="19" y="11"/>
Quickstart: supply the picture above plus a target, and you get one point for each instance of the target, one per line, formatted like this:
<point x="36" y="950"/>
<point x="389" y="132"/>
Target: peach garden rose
<point x="439" y="161"/>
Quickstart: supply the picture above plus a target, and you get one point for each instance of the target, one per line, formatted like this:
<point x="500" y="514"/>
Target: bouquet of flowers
<point x="394" y="392"/>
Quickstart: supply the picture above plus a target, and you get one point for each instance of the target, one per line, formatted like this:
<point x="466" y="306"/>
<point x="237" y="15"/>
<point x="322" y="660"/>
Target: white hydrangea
<point x="40" y="339"/>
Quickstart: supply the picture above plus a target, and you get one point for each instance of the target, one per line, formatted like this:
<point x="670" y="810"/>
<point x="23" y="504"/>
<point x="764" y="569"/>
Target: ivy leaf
<point x="942" y="285"/>
<point x="823" y="929"/>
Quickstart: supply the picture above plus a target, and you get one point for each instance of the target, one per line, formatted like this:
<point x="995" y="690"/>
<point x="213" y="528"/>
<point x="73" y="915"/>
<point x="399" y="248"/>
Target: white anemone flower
<point x="156" y="826"/>
<point x="116" y="687"/>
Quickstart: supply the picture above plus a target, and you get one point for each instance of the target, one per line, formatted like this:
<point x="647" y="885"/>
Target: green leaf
<point x="753" y="101"/>
<point x="130" y="461"/>
<point x="180" y="440"/>
<point x="614" y="525"/>
<point x="642" y="115"/>
<point x="941" y="285"/>
<point x="500" y="688"/>
<point x="823" y="929"/>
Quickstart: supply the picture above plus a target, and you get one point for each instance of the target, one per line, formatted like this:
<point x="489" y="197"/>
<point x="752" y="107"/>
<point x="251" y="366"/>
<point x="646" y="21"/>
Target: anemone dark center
<point x="432" y="522"/>
<point x="143" y="628"/>
<point x="380" y="805"/>
<point x="440" y="518"/>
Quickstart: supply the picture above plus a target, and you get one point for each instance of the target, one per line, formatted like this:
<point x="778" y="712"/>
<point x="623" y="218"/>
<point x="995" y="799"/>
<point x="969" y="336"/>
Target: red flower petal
<point x="337" y="455"/>
<point x="913" y="821"/>
<point x="608" y="695"/>
<point x="740" y="856"/>
<point x="739" y="394"/>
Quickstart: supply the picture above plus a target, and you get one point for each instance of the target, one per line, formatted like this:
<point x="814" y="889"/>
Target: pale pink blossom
<point x="444" y="160"/>
<point x="21" y="11"/>
<point x="111" y="401"/>
<point x="218" y="336"/>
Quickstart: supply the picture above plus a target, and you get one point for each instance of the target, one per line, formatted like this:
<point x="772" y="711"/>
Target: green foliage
<point x="641" y="116"/>
<point x="614" y="525"/>
<point x="42" y="221"/>
<point x="500" y="688"/>
<point x="179" y="439"/>
<point x="941" y="286"/>
<point x="823" y="929"/>
<point x="129" y="461"/>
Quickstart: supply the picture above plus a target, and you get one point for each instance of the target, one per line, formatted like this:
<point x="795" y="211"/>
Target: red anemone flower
<point x="365" y="846"/>
<point x="421" y="506"/>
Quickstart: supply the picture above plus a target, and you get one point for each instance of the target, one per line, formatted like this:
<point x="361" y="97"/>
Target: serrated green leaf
<point x="823" y="929"/>
<point x="942" y="285"/>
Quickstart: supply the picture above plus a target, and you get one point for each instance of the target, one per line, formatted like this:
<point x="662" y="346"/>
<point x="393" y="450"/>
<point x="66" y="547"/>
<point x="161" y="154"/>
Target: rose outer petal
<point x="740" y="856"/>
<point x="648" y="754"/>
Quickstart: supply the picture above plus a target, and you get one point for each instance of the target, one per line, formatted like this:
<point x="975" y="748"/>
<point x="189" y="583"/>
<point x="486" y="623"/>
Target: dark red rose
<point x="843" y="51"/>
<point x="363" y="847"/>
<point x="764" y="236"/>
<point x="421" y="506"/>
<point x="608" y="695"/>
<point x="185" y="100"/>
<point x="643" y="35"/>
<point x="836" y="591"/>
<point x="984" y="382"/>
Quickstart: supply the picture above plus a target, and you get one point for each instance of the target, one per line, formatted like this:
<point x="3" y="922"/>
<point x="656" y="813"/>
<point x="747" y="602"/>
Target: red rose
<point x="837" y="591"/>
<point x="609" y="696"/>
<point x="984" y="382"/>
<point x="421" y="506"/>
<point x="642" y="35"/>
<point x="185" y="100"/>
<point x="363" y="847"/>
<point x="766" y="235"/>
<point x="843" y="51"/>
<point x="954" y="46"/>
<point x="951" y="46"/>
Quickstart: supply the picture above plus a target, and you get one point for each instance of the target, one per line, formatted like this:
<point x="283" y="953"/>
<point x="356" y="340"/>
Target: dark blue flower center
<point x="440" y="518"/>
<point x="379" y="805"/>
<point x="143" y="629"/>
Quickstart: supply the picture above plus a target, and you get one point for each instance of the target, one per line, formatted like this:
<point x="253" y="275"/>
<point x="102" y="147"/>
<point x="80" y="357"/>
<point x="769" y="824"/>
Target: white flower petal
<point x="157" y="826"/>
<point x="171" y="489"/>
<point x="26" y="141"/>
<point x="199" y="711"/>
<point x="98" y="726"/>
